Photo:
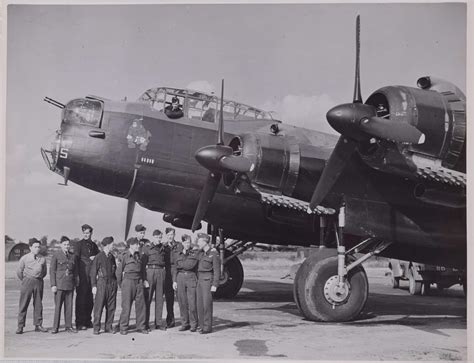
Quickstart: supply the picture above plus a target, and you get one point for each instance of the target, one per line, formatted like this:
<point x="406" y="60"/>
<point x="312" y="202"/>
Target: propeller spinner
<point x="357" y="122"/>
<point x="218" y="159"/>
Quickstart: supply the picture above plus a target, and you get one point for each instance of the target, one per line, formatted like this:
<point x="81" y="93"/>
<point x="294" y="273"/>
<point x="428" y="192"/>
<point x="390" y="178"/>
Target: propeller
<point x="345" y="147"/>
<point x="218" y="159"/>
<point x="396" y="131"/>
<point x="128" y="221"/>
<point x="357" y="122"/>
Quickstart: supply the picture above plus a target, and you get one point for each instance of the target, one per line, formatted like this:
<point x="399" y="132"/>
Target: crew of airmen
<point x="146" y="272"/>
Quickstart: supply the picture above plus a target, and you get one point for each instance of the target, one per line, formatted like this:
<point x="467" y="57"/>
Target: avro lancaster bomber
<point x="392" y="184"/>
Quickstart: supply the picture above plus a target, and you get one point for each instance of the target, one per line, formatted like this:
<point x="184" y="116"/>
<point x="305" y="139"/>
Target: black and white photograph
<point x="201" y="181"/>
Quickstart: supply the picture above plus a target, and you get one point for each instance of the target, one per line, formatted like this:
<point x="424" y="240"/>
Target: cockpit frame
<point x="202" y="106"/>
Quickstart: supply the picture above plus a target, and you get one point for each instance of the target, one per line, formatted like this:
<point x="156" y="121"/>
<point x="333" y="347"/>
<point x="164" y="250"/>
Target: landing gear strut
<point x="331" y="285"/>
<point x="232" y="272"/>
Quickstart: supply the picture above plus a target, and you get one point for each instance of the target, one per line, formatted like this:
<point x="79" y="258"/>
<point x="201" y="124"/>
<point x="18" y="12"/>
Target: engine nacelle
<point x="438" y="109"/>
<point x="282" y="165"/>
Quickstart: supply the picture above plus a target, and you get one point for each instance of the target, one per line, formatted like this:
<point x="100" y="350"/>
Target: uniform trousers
<point x="132" y="290"/>
<point x="31" y="287"/>
<point x="84" y="297"/>
<point x="169" y="296"/>
<point x="156" y="279"/>
<point x="204" y="301"/>
<point x="106" y="296"/>
<point x="63" y="297"/>
<point x="187" y="283"/>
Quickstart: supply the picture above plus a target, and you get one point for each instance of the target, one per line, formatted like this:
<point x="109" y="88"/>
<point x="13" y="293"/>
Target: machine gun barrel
<point x="53" y="102"/>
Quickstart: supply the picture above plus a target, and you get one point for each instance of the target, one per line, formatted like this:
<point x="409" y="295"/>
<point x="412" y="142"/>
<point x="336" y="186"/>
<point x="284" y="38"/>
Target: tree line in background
<point x="49" y="246"/>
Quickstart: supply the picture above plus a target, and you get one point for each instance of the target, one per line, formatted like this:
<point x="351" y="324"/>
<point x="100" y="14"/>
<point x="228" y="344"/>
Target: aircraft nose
<point x="50" y="152"/>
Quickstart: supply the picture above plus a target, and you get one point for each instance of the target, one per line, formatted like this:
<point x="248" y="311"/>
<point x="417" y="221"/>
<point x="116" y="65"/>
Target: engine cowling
<point x="282" y="165"/>
<point x="438" y="109"/>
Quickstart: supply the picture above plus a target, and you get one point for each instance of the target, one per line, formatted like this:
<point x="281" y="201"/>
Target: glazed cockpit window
<point x="83" y="111"/>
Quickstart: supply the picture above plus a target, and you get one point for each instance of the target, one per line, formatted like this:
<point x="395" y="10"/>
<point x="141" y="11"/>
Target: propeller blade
<point x="334" y="166"/>
<point x="206" y="197"/>
<point x="128" y="221"/>
<point x="220" y="127"/>
<point x="357" y="93"/>
<point x="391" y="130"/>
<point x="239" y="164"/>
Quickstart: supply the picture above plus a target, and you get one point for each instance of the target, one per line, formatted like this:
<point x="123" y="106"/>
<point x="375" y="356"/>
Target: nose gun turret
<point x="53" y="102"/>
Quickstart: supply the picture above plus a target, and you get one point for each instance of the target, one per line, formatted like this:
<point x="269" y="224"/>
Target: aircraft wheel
<point x="298" y="284"/>
<point x="322" y="298"/>
<point x="295" y="288"/>
<point x="440" y="287"/>
<point x="414" y="287"/>
<point x="232" y="279"/>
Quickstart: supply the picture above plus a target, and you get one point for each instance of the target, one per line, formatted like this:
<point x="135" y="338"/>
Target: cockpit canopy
<point x="85" y="111"/>
<point x="201" y="106"/>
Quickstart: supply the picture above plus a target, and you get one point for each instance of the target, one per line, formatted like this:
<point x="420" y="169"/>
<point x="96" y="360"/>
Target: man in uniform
<point x="140" y="231"/>
<point x="131" y="277"/>
<point x="64" y="277"/>
<point x="185" y="281"/>
<point x="171" y="248"/>
<point x="208" y="280"/>
<point x="31" y="271"/>
<point x="104" y="285"/>
<point x="154" y="261"/>
<point x="85" y="250"/>
<point x="174" y="110"/>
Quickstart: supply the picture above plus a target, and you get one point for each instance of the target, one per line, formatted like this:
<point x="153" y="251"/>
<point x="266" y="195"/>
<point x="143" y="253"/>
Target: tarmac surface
<point x="263" y="322"/>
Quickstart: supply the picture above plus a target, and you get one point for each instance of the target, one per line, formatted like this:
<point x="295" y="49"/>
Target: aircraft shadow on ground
<point x="427" y="313"/>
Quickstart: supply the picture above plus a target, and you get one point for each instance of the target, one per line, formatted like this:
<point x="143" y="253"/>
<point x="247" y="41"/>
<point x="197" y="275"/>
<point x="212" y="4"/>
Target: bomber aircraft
<point x="393" y="183"/>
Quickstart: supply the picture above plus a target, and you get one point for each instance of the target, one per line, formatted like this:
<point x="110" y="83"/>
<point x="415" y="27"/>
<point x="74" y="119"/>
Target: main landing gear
<point x="331" y="285"/>
<point x="232" y="272"/>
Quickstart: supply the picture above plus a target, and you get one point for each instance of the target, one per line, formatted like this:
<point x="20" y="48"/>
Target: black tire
<point x="298" y="284"/>
<point x="440" y="287"/>
<point x="313" y="302"/>
<point x="414" y="287"/>
<point x="234" y="273"/>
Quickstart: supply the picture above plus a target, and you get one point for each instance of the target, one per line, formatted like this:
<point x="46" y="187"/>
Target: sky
<point x="297" y="60"/>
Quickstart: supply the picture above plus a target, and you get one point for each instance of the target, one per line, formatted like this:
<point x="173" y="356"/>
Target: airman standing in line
<point x="172" y="247"/>
<point x="140" y="230"/>
<point x="185" y="282"/>
<point x="64" y="277"/>
<point x="85" y="250"/>
<point x="208" y="281"/>
<point x="154" y="261"/>
<point x="131" y="277"/>
<point x="31" y="271"/>
<point x="104" y="286"/>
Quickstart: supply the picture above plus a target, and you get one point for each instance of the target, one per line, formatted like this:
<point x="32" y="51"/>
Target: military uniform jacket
<point x="170" y="256"/>
<point x="154" y="255"/>
<point x="185" y="261"/>
<point x="130" y="267"/>
<point x="210" y="262"/>
<point x="63" y="271"/>
<point x="104" y="267"/>
<point x="84" y="249"/>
